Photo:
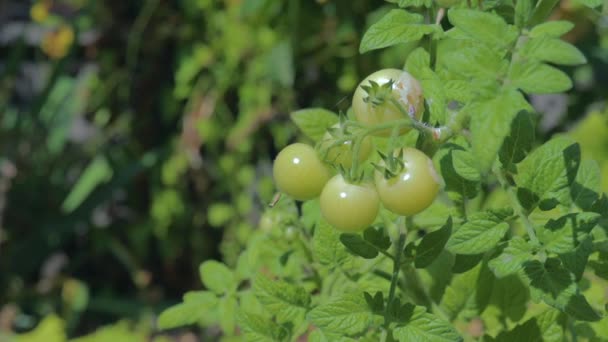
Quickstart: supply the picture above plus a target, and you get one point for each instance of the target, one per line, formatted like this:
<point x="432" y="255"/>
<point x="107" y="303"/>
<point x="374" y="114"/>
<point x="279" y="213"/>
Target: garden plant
<point x="327" y="170"/>
<point x="429" y="210"/>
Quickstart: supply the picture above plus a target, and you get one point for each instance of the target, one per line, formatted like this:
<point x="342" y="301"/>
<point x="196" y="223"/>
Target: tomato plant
<point x="466" y="225"/>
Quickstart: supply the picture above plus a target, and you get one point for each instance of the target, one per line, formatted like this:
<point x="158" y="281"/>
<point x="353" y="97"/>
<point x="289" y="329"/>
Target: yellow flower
<point x="40" y="11"/>
<point x="57" y="44"/>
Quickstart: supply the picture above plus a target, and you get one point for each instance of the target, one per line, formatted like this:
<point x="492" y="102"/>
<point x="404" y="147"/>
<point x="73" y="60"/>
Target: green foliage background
<point x="142" y="146"/>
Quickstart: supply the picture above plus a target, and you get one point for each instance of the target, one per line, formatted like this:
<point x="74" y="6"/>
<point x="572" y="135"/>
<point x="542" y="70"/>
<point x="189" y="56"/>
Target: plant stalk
<point x="396" y="268"/>
<point x="519" y="210"/>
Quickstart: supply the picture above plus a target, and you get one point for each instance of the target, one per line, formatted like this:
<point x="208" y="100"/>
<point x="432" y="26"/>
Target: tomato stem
<point x="356" y="150"/>
<point x="519" y="210"/>
<point x="396" y="268"/>
<point x="308" y="254"/>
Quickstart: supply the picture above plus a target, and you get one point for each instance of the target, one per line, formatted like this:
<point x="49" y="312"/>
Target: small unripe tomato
<point x="299" y="173"/>
<point x="343" y="154"/>
<point x="405" y="89"/>
<point x="291" y="233"/>
<point x="413" y="189"/>
<point x="349" y="207"/>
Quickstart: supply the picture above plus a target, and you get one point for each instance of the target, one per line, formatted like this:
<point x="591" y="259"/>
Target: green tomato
<point x="299" y="173"/>
<point x="405" y="89"/>
<point x="414" y="188"/>
<point x="349" y="207"/>
<point x="343" y="154"/>
<point x="291" y="233"/>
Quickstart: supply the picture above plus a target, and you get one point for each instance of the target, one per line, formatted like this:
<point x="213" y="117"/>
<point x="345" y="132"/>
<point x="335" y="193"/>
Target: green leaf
<point x="247" y="299"/>
<point x="553" y="50"/>
<point x="490" y="124"/>
<point x="544" y="327"/>
<point x="432" y="87"/>
<point x="600" y="268"/>
<point x="227" y="313"/>
<point x="314" y="122"/>
<point x="396" y="27"/>
<point x="485" y="27"/>
<point x="425" y="327"/>
<point x="50" y="328"/>
<point x="217" y="277"/>
<point x="311" y="213"/>
<point x="576" y="260"/>
<point x="511" y="296"/>
<point x="348" y="314"/>
<point x="550" y="324"/>
<point x="587" y="184"/>
<point x="592" y="3"/>
<point x="464" y="263"/>
<point x="412" y="3"/>
<point x="512" y="258"/>
<point x="257" y="328"/>
<point x="519" y="142"/>
<point x="200" y="297"/>
<point x="279" y="65"/>
<point x="435" y="98"/>
<point x="468" y="293"/>
<point x="454" y="182"/>
<point x="523" y="11"/>
<point x="465" y="165"/>
<point x="528" y="331"/>
<point x="326" y="245"/>
<point x="476" y="61"/>
<point x="555" y="285"/>
<point x="553" y="29"/>
<point x="537" y="78"/>
<point x="601" y="205"/>
<point x="439" y="275"/>
<point x="562" y="235"/>
<point x="396" y="312"/>
<point x="432" y="245"/>
<point x="287" y="301"/>
<point x="377" y="237"/>
<point x="480" y="233"/>
<point x="375" y="303"/>
<point x="99" y="171"/>
<point x="356" y="245"/>
<point x="189" y="312"/>
<point x="418" y="64"/>
<point x="321" y="336"/>
<point x="458" y="90"/>
<point x="548" y="172"/>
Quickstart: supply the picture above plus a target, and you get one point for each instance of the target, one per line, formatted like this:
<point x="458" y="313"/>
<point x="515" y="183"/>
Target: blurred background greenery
<point x="136" y="140"/>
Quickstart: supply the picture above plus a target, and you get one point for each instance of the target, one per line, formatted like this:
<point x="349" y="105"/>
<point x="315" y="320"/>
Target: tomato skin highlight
<point x="405" y="89"/>
<point x="299" y="173"/>
<point x="343" y="154"/>
<point x="412" y="190"/>
<point x="349" y="207"/>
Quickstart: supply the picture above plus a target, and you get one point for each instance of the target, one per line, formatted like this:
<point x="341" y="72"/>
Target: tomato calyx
<point x="379" y="94"/>
<point x="393" y="165"/>
<point x="340" y="132"/>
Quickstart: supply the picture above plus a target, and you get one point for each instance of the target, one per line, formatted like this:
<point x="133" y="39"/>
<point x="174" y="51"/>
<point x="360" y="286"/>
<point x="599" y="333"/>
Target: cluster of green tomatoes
<point x="404" y="181"/>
